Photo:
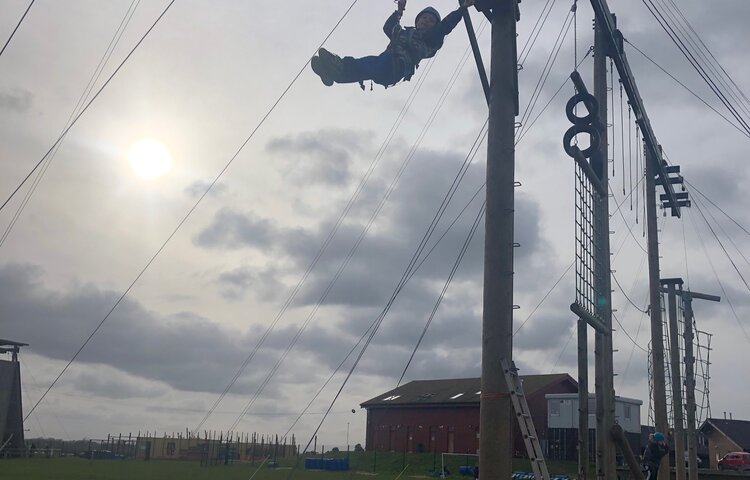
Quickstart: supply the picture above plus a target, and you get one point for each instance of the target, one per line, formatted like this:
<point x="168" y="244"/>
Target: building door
<point x="392" y="440"/>
<point x="409" y="440"/>
<point x="451" y="439"/>
<point x="431" y="441"/>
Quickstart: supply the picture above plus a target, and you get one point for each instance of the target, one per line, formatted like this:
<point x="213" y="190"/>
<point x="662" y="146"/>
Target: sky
<point x="202" y="83"/>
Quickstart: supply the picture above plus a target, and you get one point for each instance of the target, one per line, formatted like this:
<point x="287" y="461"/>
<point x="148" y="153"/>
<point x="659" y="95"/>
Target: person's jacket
<point x="654" y="452"/>
<point x="410" y="46"/>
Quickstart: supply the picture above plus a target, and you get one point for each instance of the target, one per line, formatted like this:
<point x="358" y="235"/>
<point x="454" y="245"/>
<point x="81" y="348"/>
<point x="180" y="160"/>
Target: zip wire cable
<point x="456" y="264"/>
<point x="86" y="92"/>
<point x="83" y="110"/>
<point x="693" y="187"/>
<point x="353" y="250"/>
<point x="15" y="29"/>
<point x="680" y="83"/>
<point x="190" y="211"/>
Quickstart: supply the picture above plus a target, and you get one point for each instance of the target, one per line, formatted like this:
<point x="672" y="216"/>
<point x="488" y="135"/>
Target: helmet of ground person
<point x="659" y="437"/>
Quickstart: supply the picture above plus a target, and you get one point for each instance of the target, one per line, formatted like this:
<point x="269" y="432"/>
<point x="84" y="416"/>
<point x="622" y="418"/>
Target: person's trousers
<point x="382" y="69"/>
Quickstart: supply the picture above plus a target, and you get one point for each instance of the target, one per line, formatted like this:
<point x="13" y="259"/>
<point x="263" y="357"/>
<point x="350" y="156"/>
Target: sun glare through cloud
<point x="150" y="158"/>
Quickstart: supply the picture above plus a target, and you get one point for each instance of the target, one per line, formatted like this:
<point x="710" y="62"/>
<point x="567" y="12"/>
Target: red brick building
<point x="443" y="415"/>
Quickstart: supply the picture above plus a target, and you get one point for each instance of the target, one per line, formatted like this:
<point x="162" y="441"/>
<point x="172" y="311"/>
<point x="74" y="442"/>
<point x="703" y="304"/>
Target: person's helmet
<point x="659" y="437"/>
<point x="429" y="10"/>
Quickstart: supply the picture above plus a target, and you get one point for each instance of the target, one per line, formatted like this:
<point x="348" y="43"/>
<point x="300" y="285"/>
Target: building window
<point x="626" y="409"/>
<point x="456" y="396"/>
<point x="170" y="448"/>
<point x="554" y="407"/>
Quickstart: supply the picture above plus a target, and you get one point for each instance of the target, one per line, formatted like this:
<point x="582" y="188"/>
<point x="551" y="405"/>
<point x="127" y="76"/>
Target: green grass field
<point x="386" y="466"/>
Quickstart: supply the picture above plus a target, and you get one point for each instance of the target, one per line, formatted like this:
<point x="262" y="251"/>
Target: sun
<point x="150" y="158"/>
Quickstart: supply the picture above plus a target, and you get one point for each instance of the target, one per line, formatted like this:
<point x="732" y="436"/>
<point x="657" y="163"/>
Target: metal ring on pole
<point x="591" y="105"/>
<point x="594" y="136"/>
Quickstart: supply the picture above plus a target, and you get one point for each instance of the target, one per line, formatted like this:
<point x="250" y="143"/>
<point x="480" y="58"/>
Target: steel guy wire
<point x="86" y="92"/>
<point x="698" y="68"/>
<point x="363" y="234"/>
<point x="718" y="280"/>
<point x="721" y="244"/>
<point x="693" y="187"/>
<point x="686" y="33"/>
<point x="16" y="28"/>
<point x="696" y="199"/>
<point x="546" y="71"/>
<point x="456" y="264"/>
<point x="85" y="108"/>
<point x="190" y="211"/>
<point x="680" y="83"/>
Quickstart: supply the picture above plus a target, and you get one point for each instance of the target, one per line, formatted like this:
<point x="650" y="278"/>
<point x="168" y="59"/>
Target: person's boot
<point x="322" y="71"/>
<point x="328" y="66"/>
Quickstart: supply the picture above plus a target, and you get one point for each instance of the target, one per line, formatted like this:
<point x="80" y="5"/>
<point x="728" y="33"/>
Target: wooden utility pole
<point x="678" y="439"/>
<point x="583" y="400"/>
<point x="604" y="375"/>
<point x="495" y="452"/>
<point x="659" y="393"/>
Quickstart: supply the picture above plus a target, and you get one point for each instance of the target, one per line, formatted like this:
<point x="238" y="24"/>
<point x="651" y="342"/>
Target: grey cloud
<point x="233" y="230"/>
<point x="16" y="99"/>
<point x="183" y="350"/>
<point x="198" y="188"/>
<point x="236" y="283"/>
<point x="324" y="157"/>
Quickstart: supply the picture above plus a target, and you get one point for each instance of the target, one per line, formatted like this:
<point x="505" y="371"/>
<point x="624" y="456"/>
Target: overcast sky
<point x="200" y="83"/>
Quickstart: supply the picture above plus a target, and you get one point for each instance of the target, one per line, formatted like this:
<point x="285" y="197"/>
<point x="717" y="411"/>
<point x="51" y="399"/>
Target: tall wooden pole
<point x="583" y="400"/>
<point x="495" y="444"/>
<point x="659" y="394"/>
<point x="604" y="375"/>
<point x="674" y="362"/>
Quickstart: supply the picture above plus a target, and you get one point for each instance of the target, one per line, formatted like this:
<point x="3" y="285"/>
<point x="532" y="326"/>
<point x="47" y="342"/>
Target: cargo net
<point x="701" y="352"/>
<point x="589" y="218"/>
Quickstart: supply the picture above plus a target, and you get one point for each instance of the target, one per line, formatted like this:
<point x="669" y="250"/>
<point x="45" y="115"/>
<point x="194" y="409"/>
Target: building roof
<point x="736" y="430"/>
<point x="456" y="391"/>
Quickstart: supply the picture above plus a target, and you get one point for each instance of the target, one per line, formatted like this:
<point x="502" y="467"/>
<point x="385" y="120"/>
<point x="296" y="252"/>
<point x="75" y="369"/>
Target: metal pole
<point x="674" y="360"/>
<point x="583" y="400"/>
<point x="604" y="384"/>
<point x="657" y="333"/>
<point x="497" y="323"/>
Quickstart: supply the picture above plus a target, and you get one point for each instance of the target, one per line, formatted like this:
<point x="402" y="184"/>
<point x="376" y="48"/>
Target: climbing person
<point x="653" y="453"/>
<point x="407" y="47"/>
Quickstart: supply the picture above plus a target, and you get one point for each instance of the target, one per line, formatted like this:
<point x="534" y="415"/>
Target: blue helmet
<point x="659" y="437"/>
<point x="429" y="10"/>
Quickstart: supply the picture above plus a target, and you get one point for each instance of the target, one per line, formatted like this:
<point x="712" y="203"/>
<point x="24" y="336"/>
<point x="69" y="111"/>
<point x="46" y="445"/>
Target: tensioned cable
<point x="326" y="243"/>
<point x="15" y="29"/>
<point x="696" y="48"/>
<point x="693" y="187"/>
<point x="454" y="269"/>
<point x="86" y="92"/>
<point x="419" y="265"/>
<point x="622" y="290"/>
<point x="731" y="80"/>
<point x="697" y="65"/>
<point x="379" y="319"/>
<point x="721" y="244"/>
<point x="680" y="83"/>
<point x="195" y="205"/>
<point x="669" y="30"/>
<point x="84" y="109"/>
<point x="549" y="102"/>
<point x="535" y="31"/>
<point x="441" y="210"/>
<point x="362" y="235"/>
<point x="567" y="22"/>
<point x="724" y="232"/>
<point x="718" y="280"/>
